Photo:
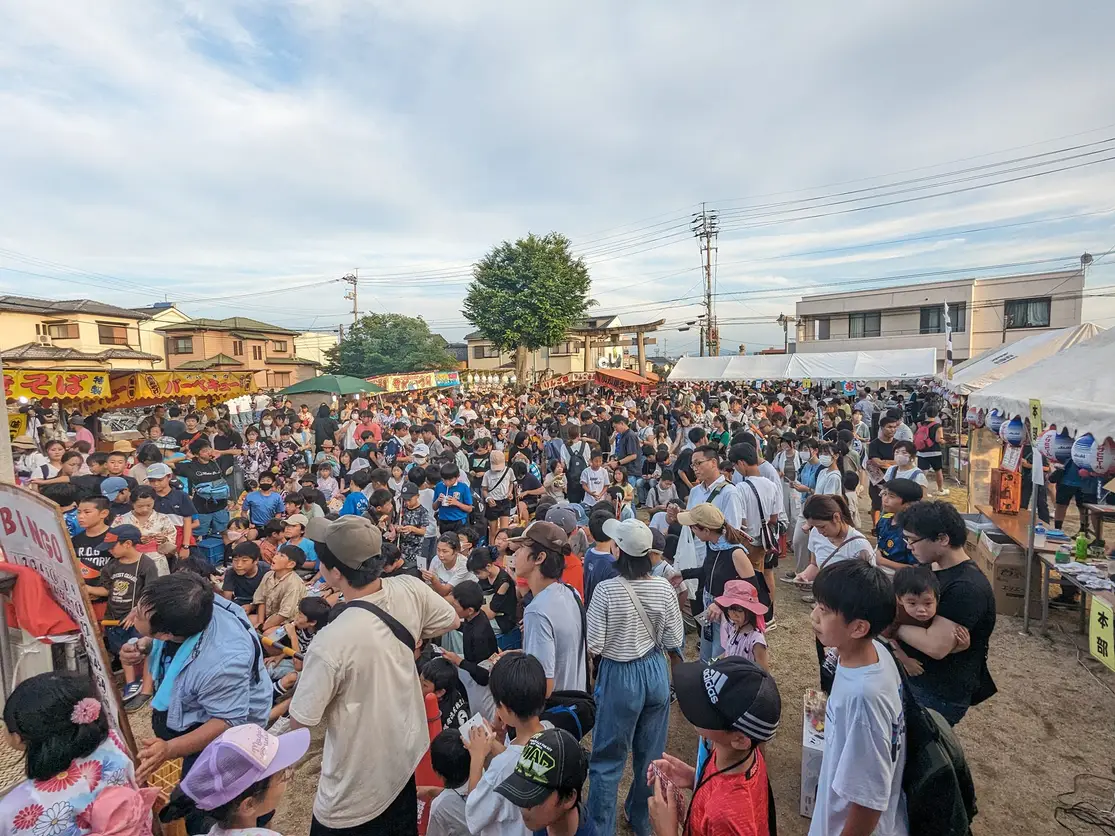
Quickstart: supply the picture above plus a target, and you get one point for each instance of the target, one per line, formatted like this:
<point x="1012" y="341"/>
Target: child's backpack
<point x="923" y="435"/>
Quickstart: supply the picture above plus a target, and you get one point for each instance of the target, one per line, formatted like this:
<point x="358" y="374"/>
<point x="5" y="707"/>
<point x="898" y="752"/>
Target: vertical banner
<point x="34" y="535"/>
<point x="948" y="343"/>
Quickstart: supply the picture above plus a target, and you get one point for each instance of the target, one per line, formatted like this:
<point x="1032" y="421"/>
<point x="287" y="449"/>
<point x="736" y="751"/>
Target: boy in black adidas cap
<point x="546" y="784"/>
<point x="735" y="706"/>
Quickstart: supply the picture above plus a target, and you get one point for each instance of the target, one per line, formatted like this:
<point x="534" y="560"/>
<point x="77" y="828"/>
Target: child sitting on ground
<point x="286" y="644"/>
<point x="244" y="574"/>
<point x="326" y="482"/>
<point x="394" y="564"/>
<point x="439" y="677"/>
<point x="450" y="760"/>
<point x="518" y="686"/>
<point x="891" y="550"/>
<point x="743" y="626"/>
<point x="736" y="718"/>
<point x="504" y="604"/>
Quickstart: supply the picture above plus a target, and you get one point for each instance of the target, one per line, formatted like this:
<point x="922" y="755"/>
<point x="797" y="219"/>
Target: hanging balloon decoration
<point x="1103" y="458"/>
<point x="974" y="417"/>
<point x="995" y="420"/>
<point x="1012" y="432"/>
<point x="1082" y="451"/>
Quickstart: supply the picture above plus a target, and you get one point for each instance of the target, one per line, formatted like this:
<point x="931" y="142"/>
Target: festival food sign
<point x="60" y="385"/>
<point x="34" y="535"/>
<point x="416" y="381"/>
<point x="570" y="379"/>
<point x="204" y="387"/>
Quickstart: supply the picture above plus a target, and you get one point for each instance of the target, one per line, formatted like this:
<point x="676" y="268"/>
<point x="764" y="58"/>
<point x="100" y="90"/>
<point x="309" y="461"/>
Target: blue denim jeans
<point x="710" y="648"/>
<point x="642" y="489"/>
<point x="215" y="524"/>
<point x="635" y="698"/>
<point x="953" y="712"/>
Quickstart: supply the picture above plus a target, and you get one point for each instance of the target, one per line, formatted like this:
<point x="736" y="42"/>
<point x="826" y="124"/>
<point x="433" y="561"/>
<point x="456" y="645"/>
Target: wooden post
<point x="588" y="351"/>
<point x="642" y="352"/>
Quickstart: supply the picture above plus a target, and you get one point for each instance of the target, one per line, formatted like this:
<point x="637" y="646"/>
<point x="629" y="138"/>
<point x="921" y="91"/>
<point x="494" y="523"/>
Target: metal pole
<point x="7" y="467"/>
<point x="1030" y="540"/>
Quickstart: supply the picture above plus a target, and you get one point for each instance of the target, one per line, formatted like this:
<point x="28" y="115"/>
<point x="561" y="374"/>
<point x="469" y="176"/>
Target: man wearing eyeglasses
<point x="711" y="486"/>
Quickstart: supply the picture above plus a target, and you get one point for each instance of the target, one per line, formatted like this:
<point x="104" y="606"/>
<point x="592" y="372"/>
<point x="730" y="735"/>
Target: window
<point x="567" y="347"/>
<point x="237" y="348"/>
<point x="933" y="318"/>
<point x="62" y="330"/>
<point x="823" y="327"/>
<point x="180" y="345"/>
<point x="111" y="334"/>
<point x="866" y="324"/>
<point x="278" y="345"/>
<point x="257" y="352"/>
<point x="1027" y="313"/>
<point x="280" y="379"/>
<point x="484" y="352"/>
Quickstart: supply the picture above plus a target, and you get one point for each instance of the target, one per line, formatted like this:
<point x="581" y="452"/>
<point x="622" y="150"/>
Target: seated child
<point x="394" y="564"/>
<point x="356" y="501"/>
<point x="450" y="760"/>
<point x="244" y="575"/>
<point x="518" y="686"/>
<point x="742" y="625"/>
<point x="285" y="646"/>
<point x="735" y="794"/>
<point x="276" y="598"/>
<point x="326" y="482"/>
<point x="891" y="549"/>
<point x="503" y="606"/>
<point x="271" y="536"/>
<point x="439" y="677"/>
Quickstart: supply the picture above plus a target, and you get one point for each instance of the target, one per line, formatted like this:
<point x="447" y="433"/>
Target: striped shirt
<point x="615" y="630"/>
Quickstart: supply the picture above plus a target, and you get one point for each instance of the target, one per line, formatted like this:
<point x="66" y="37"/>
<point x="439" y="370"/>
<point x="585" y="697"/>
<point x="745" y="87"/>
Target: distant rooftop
<point x="233" y="323"/>
<point x="52" y="307"/>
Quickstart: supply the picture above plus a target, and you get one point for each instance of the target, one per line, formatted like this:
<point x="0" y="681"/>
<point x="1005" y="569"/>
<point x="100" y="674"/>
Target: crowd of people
<point x="531" y="565"/>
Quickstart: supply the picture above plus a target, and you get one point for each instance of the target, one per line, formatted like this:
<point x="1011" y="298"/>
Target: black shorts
<point x="450" y="526"/>
<point x="931" y="462"/>
<point x="1067" y="493"/>
<point x="502" y="508"/>
<point x="117" y="637"/>
<point x="876" y="494"/>
<point x="771" y="560"/>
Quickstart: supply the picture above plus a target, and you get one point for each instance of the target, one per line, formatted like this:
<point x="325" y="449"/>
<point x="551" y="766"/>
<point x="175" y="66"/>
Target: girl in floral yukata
<point x="71" y="756"/>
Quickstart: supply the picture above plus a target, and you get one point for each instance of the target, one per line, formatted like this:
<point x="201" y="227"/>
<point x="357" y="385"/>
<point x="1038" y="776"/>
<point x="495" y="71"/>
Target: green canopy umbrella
<point x="334" y="384"/>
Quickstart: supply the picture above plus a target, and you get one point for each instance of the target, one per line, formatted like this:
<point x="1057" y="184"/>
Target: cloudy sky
<point x="238" y="156"/>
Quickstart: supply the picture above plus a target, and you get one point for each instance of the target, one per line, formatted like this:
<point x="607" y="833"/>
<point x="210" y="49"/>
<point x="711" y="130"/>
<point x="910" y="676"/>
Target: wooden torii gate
<point x="640" y="332"/>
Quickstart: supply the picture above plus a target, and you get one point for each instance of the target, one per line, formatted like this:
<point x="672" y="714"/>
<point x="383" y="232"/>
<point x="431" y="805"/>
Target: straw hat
<point x="25" y="441"/>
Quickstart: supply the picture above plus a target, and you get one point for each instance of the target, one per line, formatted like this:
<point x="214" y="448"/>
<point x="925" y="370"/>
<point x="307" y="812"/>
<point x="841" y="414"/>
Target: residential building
<point x="611" y="345"/>
<point x="984" y="312"/>
<point x="312" y="345"/>
<point x="73" y="334"/>
<point x="151" y="339"/>
<point x="237" y="344"/>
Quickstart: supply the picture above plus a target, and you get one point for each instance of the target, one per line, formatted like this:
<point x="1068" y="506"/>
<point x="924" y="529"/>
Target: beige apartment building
<point x="984" y="312"/>
<point x="76" y="334"/>
<point x="237" y="344"/>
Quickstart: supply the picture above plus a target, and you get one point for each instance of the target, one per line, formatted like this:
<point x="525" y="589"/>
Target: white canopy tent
<point x="1005" y="360"/>
<point x="1076" y="388"/>
<point x="837" y="365"/>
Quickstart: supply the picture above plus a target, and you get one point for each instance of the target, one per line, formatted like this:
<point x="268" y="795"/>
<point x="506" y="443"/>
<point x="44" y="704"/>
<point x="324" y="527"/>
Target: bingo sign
<point x="33" y="534"/>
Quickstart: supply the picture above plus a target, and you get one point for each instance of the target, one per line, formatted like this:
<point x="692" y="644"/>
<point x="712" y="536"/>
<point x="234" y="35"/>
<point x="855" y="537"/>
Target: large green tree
<point x="527" y="295"/>
<point x="389" y="343"/>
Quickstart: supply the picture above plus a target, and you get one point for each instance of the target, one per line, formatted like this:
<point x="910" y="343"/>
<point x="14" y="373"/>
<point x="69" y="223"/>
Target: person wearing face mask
<point x="263" y="505"/>
<point x="905" y="465"/>
<point x="830" y="481"/>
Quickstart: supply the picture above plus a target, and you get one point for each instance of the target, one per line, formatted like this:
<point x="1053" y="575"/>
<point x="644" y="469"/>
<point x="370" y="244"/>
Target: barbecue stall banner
<point x="157" y="387"/>
<point x="89" y="385"/>
<point x="415" y="382"/>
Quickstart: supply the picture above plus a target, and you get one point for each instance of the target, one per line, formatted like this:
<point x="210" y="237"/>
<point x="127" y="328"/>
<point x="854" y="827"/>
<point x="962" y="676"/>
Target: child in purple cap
<point x="238" y="779"/>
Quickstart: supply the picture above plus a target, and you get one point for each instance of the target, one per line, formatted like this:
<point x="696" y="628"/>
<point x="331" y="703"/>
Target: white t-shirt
<point x="855" y="546"/>
<point x="829" y="482"/>
<point x="353" y="668"/>
<point x="903" y="432"/>
<point x="913" y="474"/>
<point x="447" y="813"/>
<point x="865" y="749"/>
<point x="769" y="494"/>
<point x="453" y="576"/>
<point x="595" y="480"/>
<point x="487" y="812"/>
<point x="659" y="523"/>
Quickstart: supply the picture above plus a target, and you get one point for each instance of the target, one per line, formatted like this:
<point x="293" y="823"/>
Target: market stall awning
<point x="416" y="381"/>
<point x="334" y="384"/>
<point x="1076" y="388"/>
<point x="622" y="377"/>
<point x="205" y="387"/>
<point x="836" y="365"/>
<point x="1005" y="360"/>
<point x="78" y="385"/>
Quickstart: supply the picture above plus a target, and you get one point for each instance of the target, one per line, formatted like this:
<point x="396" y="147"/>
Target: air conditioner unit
<point x="43" y="339"/>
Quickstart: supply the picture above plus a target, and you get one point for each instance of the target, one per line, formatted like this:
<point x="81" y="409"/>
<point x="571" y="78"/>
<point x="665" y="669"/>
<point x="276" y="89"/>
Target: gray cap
<point x="563" y="517"/>
<point x="351" y="539"/>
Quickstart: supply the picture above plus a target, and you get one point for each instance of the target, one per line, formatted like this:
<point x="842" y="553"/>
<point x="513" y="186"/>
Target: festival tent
<point x="1005" y="360"/>
<point x="334" y="384"/>
<point x="836" y="365"/>
<point x="1076" y="388"/>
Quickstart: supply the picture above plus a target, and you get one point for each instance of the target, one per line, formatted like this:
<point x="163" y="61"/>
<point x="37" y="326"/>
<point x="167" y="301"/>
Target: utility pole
<point x="351" y="279"/>
<point x="784" y="321"/>
<point x="706" y="226"/>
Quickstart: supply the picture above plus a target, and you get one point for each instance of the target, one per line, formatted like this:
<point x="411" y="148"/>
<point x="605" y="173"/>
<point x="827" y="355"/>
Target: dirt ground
<point x="1050" y="721"/>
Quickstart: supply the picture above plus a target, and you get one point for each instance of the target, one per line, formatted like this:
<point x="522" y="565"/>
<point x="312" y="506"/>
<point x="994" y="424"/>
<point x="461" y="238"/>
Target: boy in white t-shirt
<point x="595" y="478"/>
<point x="860" y="786"/>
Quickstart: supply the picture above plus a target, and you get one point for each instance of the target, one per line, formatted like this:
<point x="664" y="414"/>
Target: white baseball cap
<point x="632" y="537"/>
<point x="421" y="450"/>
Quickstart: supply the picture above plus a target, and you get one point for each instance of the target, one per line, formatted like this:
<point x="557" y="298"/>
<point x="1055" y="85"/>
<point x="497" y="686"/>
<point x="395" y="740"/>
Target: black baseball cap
<point x="730" y="694"/>
<point x="408" y="490"/>
<point x="551" y="759"/>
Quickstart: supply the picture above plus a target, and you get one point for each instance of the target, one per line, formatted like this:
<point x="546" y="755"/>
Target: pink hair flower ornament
<point x="86" y="710"/>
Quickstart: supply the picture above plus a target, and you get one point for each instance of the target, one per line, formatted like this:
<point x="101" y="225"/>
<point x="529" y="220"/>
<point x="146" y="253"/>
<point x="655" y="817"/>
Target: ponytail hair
<point x="735" y="536"/>
<point x="827" y="506"/>
<point x="45" y="712"/>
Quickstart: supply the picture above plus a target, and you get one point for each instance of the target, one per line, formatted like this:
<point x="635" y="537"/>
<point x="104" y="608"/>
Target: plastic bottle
<point x="1040" y="536"/>
<point x="1081" y="548"/>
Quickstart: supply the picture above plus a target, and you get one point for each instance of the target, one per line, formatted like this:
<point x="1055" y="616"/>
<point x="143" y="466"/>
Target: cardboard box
<point x="812" y="751"/>
<point x="1004" y="564"/>
<point x="1006" y="491"/>
<point x="976" y="525"/>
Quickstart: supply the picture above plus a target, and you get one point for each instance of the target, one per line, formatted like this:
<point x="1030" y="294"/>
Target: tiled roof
<point x="35" y="351"/>
<point x="233" y="323"/>
<point x="58" y="307"/>
<point x="291" y="361"/>
<point x="209" y="363"/>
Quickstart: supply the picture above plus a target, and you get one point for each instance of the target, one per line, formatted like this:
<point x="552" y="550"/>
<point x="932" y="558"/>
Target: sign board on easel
<point x="33" y="534"/>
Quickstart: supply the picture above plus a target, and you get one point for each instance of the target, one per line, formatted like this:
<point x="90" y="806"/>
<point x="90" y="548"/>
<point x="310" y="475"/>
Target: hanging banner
<point x="156" y="387"/>
<point x="17" y="424"/>
<point x="416" y="381"/>
<point x="57" y="384"/>
<point x="570" y="379"/>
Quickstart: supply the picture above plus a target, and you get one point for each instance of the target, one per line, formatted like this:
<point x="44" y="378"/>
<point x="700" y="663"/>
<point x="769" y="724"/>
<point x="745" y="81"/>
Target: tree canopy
<point x="527" y="295"/>
<point x="389" y="343"/>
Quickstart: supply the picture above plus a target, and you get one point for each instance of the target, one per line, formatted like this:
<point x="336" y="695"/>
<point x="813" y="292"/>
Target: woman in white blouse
<point x="632" y="620"/>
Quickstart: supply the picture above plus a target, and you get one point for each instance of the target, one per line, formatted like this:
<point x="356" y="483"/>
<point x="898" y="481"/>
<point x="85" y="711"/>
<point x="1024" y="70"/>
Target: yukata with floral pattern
<point x="255" y="459"/>
<point x="57" y="806"/>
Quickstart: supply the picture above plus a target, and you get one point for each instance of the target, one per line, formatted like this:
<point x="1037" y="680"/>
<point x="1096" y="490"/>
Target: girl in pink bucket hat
<point x="743" y="629"/>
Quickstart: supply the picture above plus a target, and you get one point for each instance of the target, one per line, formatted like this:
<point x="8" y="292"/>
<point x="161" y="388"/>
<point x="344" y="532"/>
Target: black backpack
<point x="577" y="463"/>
